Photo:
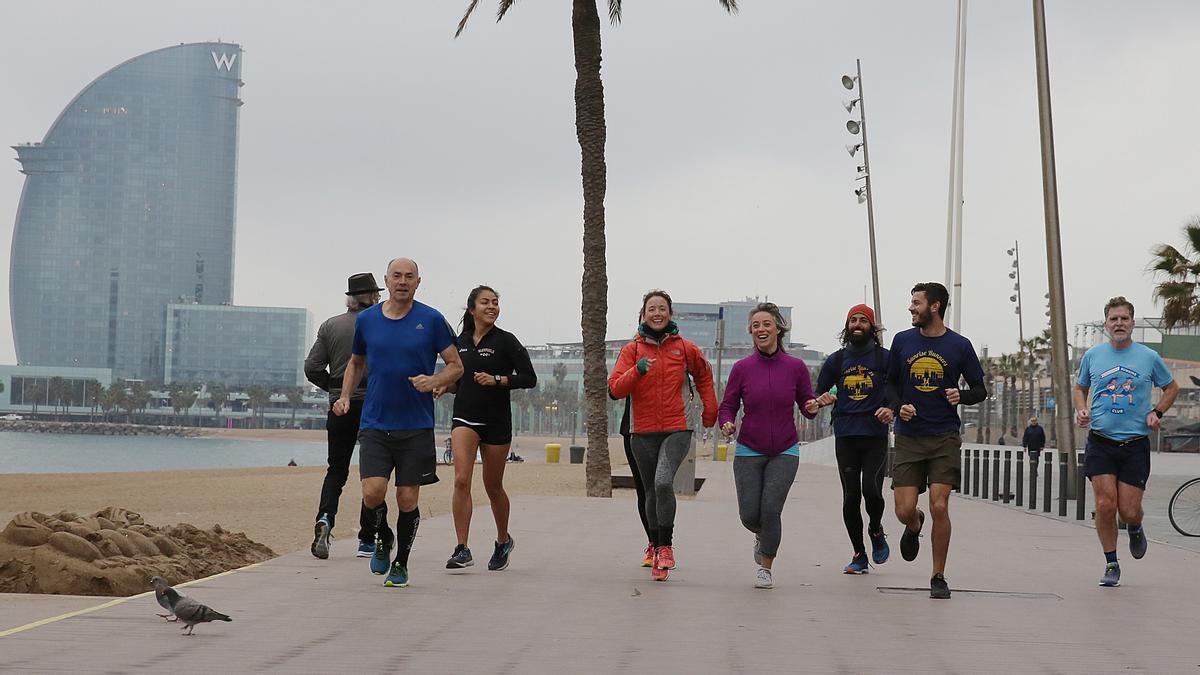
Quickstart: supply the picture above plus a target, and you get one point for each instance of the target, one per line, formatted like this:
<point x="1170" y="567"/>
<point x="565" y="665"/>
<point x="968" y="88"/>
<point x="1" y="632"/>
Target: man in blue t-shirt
<point x="400" y="340"/>
<point x="925" y="365"/>
<point x="1120" y="377"/>
<point x="860" y="429"/>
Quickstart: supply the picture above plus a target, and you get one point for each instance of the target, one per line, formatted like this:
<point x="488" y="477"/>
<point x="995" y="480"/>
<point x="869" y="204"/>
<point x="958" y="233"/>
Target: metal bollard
<point x="1048" y="484"/>
<point x="995" y="475"/>
<point x="1080" y="489"/>
<point x="986" y="469"/>
<point x="975" y="473"/>
<point x="1007" y="476"/>
<point x="965" y="478"/>
<point x="1020" y="479"/>
<point x="1063" y="477"/>
<point x="1033" y="483"/>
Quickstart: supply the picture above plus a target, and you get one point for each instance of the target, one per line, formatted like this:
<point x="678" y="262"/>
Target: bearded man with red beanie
<point x="860" y="427"/>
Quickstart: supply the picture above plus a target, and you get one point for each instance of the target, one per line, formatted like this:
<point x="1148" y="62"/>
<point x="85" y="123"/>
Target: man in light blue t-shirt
<point x="1120" y="376"/>
<point x="397" y="343"/>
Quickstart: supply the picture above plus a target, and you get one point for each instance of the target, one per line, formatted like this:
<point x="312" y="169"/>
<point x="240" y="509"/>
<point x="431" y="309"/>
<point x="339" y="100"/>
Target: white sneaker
<point x="764" y="579"/>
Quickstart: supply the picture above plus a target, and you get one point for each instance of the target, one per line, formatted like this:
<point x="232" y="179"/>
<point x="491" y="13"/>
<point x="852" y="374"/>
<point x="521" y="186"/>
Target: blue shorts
<point x="1128" y="460"/>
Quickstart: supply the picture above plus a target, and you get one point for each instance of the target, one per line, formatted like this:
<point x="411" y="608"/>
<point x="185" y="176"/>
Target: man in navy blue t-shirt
<point x="400" y="339"/>
<point x="925" y="365"/>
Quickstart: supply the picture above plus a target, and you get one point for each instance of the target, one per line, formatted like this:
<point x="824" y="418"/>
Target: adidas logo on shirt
<point x="420" y="327"/>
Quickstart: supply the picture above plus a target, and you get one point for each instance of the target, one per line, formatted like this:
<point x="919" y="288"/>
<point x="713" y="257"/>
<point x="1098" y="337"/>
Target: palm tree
<point x="56" y="389"/>
<point x="591" y="132"/>
<point x="1178" y="293"/>
<point x="31" y="392"/>
<point x="218" y="396"/>
<point x="91" y="395"/>
<point x="295" y="397"/>
<point x="259" y="396"/>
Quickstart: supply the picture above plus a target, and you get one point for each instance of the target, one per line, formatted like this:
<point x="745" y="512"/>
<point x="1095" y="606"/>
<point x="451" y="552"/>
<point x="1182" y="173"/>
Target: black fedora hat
<point x="362" y="283"/>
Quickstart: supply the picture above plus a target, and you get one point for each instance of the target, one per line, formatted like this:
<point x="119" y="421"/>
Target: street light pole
<point x="1058" y="317"/>
<point x="1027" y="366"/>
<point x="861" y="127"/>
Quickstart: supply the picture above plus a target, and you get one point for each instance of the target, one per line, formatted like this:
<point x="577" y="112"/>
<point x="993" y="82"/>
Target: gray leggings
<point x="659" y="456"/>
<point x="762" y="487"/>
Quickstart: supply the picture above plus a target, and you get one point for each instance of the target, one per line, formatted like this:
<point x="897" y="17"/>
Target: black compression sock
<point x="664" y="535"/>
<point x="406" y="532"/>
<point x="1110" y="556"/>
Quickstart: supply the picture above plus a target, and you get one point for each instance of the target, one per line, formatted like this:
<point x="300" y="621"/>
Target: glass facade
<point x="235" y="346"/>
<point x="697" y="322"/>
<point x="128" y="205"/>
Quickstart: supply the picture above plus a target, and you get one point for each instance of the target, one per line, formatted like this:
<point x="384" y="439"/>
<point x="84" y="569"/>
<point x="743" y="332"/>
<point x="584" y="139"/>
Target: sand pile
<point x="113" y="552"/>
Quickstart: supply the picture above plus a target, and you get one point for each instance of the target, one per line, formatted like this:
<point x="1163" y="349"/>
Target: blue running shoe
<point x="381" y="556"/>
<point x="499" y="559"/>
<point x="461" y="558"/>
<point x="398" y="577"/>
<point x="880" y="551"/>
<point x="1137" y="543"/>
<point x="1112" y="575"/>
<point x="858" y="564"/>
<point x="365" y="549"/>
<point x="321" y="537"/>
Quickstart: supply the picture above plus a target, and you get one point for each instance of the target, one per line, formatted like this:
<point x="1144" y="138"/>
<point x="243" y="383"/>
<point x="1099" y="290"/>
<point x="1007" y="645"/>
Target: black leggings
<point x="638" y="485"/>
<point x="860" y="463"/>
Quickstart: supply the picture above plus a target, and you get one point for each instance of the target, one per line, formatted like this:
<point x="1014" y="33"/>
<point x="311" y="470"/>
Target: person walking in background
<point x="1033" y="441"/>
<point x="653" y="370"/>
<point x="1120" y="376"/>
<point x="925" y="365"/>
<point x="324" y="367"/>
<point x="767" y="385"/>
<point x="494" y="363"/>
<point x="400" y="341"/>
<point x="860" y="429"/>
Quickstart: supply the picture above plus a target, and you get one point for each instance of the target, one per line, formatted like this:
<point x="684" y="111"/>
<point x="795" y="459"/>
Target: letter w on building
<point x="224" y="60"/>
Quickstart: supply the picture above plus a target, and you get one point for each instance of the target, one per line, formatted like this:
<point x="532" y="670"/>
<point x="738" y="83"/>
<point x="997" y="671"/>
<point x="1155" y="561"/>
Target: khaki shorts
<point x="923" y="460"/>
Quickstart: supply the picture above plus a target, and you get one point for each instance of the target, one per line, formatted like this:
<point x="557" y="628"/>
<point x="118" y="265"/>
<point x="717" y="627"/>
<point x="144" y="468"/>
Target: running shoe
<point x="383" y="553"/>
<point x="880" y="551"/>
<point x="1112" y="575"/>
<point x="858" y="564"/>
<point x="1137" y="543"/>
<point x="757" y="549"/>
<point x="763" y="579"/>
<point x="499" y="559"/>
<point x="398" y="577"/>
<point x="665" y="560"/>
<point x="648" y="557"/>
<point x="910" y="542"/>
<point x="938" y="588"/>
<point x="659" y="574"/>
<point x="321" y="537"/>
<point x="365" y="549"/>
<point x="460" y="558"/>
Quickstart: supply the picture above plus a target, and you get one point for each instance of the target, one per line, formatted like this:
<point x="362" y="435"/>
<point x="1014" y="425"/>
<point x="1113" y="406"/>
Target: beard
<point x="923" y="319"/>
<point x="860" y="338"/>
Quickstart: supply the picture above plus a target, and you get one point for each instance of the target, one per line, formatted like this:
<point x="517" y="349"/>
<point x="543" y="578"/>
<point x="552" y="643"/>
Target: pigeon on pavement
<point x="188" y="611"/>
<point x="160" y="586"/>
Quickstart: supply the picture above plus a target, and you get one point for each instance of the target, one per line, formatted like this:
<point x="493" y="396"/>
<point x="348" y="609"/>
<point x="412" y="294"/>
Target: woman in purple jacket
<point x="769" y="385"/>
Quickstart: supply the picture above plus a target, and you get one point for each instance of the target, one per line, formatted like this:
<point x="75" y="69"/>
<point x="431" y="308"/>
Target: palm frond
<point x="614" y="11"/>
<point x="729" y="5"/>
<point x="503" y="8"/>
<point x="462" y="23"/>
<point x="1192" y="230"/>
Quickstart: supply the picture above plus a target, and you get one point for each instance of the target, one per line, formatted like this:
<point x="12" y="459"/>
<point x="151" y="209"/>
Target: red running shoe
<point x="665" y="558"/>
<point x="648" y="558"/>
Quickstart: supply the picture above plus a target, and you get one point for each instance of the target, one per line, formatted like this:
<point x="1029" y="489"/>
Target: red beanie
<point x="863" y="309"/>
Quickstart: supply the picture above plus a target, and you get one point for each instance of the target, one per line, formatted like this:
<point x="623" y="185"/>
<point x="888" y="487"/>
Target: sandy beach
<point x="274" y="505"/>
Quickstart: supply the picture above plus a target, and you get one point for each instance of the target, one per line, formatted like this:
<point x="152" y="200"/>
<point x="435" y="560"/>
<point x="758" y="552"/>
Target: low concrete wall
<point x="96" y="428"/>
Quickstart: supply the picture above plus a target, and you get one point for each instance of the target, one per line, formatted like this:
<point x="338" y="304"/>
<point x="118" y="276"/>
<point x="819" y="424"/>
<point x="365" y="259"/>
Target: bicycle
<point x="1184" y="509"/>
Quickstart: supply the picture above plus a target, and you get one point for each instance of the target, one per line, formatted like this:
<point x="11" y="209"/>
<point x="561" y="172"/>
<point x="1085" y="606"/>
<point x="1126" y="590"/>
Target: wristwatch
<point x="1157" y="413"/>
<point x="498" y="382"/>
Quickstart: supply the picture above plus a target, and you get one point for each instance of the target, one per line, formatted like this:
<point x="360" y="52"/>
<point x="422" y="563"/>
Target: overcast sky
<point x="369" y="133"/>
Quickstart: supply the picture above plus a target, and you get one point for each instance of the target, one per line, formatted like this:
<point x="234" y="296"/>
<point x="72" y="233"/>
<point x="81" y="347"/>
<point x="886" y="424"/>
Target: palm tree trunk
<point x="590" y="130"/>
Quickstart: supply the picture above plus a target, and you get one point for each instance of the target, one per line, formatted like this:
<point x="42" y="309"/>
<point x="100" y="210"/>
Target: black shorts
<point x="1128" y="460"/>
<point x="489" y="434"/>
<point x="411" y="453"/>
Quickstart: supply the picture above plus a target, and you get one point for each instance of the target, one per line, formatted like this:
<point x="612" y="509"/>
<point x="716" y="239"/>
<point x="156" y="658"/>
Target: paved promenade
<point x="575" y="600"/>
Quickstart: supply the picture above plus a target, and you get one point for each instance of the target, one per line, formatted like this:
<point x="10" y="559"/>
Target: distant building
<point x="30" y="387"/>
<point x="237" y="346"/>
<point x="128" y="204"/>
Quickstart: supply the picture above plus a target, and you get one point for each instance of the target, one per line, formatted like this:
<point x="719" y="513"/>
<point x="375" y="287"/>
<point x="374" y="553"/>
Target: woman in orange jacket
<point x="653" y="370"/>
